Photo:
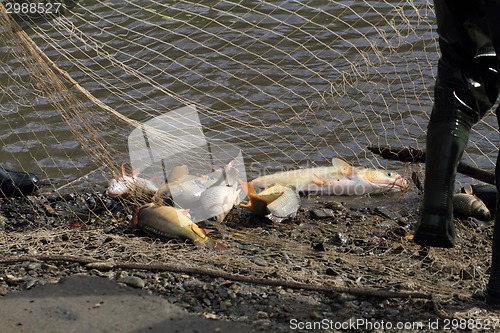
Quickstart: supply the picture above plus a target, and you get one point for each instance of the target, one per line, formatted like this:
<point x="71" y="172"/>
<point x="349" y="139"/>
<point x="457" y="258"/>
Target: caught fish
<point x="219" y="200"/>
<point x="338" y="179"/>
<point x="167" y="222"/>
<point x="186" y="190"/>
<point x="277" y="202"/>
<point x="468" y="205"/>
<point x="131" y="187"/>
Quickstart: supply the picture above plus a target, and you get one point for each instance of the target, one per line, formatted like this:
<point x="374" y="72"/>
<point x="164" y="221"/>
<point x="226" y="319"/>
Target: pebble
<point x="321" y="214"/>
<point x="29" y="284"/>
<point x="339" y="238"/>
<point x="31" y="266"/>
<point x="132" y="281"/>
<point x="13" y="280"/>
<point x="392" y="312"/>
<point x="259" y="261"/>
<point x="102" y="266"/>
<point x="262" y="315"/>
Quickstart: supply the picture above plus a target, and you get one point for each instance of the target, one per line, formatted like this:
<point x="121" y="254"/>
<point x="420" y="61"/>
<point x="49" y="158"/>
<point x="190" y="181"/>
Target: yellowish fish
<point x="466" y="204"/>
<point x="277" y="202"/>
<point x="338" y="179"/>
<point x="167" y="222"/>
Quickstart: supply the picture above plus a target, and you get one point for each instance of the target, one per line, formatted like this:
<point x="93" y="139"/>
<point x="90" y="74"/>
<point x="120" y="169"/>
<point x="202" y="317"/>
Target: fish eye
<point x="389" y="174"/>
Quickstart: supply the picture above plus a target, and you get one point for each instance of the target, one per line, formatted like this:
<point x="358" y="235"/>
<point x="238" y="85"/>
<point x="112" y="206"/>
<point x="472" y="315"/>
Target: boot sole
<point x="435" y="232"/>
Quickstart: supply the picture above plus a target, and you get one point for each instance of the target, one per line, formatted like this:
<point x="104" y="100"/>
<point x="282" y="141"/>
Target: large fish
<point x="277" y="202"/>
<point x="166" y="222"/>
<point x="338" y="179"/>
<point x="466" y="204"/>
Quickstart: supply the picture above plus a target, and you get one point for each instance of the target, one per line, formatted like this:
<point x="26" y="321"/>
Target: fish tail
<point x="247" y="188"/>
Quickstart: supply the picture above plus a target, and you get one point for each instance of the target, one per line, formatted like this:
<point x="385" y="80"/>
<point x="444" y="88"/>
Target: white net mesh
<point x="290" y="83"/>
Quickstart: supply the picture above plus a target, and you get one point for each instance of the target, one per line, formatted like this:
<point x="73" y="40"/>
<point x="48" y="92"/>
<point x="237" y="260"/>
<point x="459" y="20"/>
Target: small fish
<point x="219" y="200"/>
<point x="131" y="186"/>
<point x="338" y="179"/>
<point x="468" y="205"/>
<point x="167" y="222"/>
<point x="277" y="202"/>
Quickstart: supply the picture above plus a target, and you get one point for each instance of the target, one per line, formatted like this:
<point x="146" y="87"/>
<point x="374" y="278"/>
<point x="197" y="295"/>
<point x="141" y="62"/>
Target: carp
<point x="466" y="204"/>
<point x="166" y="222"/>
<point x="338" y="179"/>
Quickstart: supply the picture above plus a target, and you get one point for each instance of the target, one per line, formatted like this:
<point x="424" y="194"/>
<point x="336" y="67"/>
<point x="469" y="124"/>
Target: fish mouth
<point x="401" y="182"/>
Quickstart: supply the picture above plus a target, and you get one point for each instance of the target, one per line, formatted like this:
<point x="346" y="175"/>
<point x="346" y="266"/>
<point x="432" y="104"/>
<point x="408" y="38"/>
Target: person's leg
<point x="493" y="288"/>
<point x="465" y="89"/>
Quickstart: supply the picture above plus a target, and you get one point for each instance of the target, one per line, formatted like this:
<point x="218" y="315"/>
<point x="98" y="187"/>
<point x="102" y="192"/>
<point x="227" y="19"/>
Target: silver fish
<point x="132" y="186"/>
<point x="219" y="200"/>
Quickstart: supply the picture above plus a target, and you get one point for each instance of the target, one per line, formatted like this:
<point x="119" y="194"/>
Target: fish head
<point x="478" y="207"/>
<point x="120" y="187"/>
<point x="385" y="178"/>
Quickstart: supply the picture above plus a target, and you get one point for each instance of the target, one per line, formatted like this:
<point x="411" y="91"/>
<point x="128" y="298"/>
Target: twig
<point x="412" y="155"/>
<point x="367" y="292"/>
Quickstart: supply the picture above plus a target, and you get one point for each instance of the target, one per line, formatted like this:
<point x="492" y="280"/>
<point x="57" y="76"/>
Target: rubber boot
<point x="493" y="288"/>
<point x="445" y="143"/>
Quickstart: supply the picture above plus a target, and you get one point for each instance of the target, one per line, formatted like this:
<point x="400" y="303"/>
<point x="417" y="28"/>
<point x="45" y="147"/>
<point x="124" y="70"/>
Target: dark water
<point x="290" y="82"/>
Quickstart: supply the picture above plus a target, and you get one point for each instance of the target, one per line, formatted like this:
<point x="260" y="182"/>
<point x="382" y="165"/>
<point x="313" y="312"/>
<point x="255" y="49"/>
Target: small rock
<point x="320" y="214"/>
<point x="262" y="315"/>
<point x="31" y="266"/>
<point x="13" y="280"/>
<point x="102" y="266"/>
<point x="345" y="297"/>
<point x="259" y="261"/>
<point x="318" y="246"/>
<point x="479" y="294"/>
<point x="31" y="283"/>
<point x="132" y="281"/>
<point x="392" y="312"/>
<point x="339" y="238"/>
<point x="331" y="272"/>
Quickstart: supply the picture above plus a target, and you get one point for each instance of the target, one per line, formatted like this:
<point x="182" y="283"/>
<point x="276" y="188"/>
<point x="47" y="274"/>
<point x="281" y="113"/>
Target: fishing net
<point x="154" y="84"/>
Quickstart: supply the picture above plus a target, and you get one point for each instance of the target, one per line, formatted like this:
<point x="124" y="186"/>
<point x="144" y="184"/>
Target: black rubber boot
<point x="446" y="141"/>
<point x="493" y="289"/>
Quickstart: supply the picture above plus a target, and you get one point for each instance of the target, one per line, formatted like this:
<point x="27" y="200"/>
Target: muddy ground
<point x="320" y="268"/>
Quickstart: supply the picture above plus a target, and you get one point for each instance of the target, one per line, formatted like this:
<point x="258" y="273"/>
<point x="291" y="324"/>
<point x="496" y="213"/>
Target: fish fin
<point x="215" y="245"/>
<point x="247" y="188"/>
<point x="207" y="231"/>
<point x="266" y="198"/>
<point x="198" y="231"/>
<point x="337" y="162"/>
<point x="135" y="173"/>
<point x="467" y="189"/>
<point x="348" y="169"/>
<point x="319" y="181"/>
<point x="123" y="170"/>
